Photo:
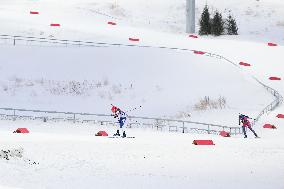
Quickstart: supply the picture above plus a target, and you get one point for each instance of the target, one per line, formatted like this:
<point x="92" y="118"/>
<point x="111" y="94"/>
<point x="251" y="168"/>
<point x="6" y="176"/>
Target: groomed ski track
<point x="14" y="40"/>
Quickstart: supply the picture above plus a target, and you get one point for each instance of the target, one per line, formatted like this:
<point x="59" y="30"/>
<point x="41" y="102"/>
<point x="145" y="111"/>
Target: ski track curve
<point x="270" y="107"/>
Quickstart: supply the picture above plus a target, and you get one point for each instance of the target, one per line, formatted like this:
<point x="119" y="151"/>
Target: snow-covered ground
<point x="70" y="156"/>
<point x="258" y="20"/>
<point x="165" y="82"/>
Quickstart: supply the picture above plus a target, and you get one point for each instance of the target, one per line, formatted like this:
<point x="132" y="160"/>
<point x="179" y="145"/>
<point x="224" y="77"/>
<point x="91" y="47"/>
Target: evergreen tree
<point x="217" y="27"/>
<point x="231" y="26"/>
<point x="204" y="22"/>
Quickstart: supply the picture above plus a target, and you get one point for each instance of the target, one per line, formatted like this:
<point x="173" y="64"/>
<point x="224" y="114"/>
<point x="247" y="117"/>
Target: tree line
<point x="217" y="25"/>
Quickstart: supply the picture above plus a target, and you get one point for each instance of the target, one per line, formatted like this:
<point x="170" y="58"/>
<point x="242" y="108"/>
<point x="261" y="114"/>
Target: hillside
<point x="258" y="20"/>
<point x="164" y="72"/>
<point x="164" y="82"/>
<point x="87" y="20"/>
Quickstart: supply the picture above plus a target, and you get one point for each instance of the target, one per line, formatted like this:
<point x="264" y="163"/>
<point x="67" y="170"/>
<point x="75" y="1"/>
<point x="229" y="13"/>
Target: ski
<point x="119" y="137"/>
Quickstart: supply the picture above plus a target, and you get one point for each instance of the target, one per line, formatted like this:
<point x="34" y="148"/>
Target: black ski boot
<point x="117" y="133"/>
<point x="246" y="136"/>
<point x="123" y="134"/>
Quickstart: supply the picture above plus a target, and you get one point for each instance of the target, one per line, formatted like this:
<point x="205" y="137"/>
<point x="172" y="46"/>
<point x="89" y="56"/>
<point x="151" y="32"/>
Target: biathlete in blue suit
<point x="118" y="113"/>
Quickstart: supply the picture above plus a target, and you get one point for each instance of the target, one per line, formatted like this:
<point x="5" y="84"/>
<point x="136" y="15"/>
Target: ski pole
<point x="133" y="109"/>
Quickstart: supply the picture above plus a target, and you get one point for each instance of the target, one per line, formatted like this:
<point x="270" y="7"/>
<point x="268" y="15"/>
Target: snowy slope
<point x="257" y="20"/>
<point x="164" y="82"/>
<point x="79" y="23"/>
<point x="68" y="156"/>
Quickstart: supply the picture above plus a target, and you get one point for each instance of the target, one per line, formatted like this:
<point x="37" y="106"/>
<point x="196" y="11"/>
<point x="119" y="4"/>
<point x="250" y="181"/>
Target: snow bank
<point x="163" y="82"/>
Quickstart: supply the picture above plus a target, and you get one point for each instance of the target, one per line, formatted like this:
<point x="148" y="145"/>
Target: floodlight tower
<point x="190" y="16"/>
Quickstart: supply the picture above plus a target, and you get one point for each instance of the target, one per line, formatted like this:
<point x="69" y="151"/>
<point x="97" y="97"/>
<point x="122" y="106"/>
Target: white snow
<point x="162" y="82"/>
<point x="167" y="83"/>
<point x="70" y="156"/>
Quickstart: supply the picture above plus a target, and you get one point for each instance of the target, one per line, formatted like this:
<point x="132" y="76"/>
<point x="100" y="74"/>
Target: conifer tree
<point x="204" y="22"/>
<point x="231" y="26"/>
<point x="217" y="27"/>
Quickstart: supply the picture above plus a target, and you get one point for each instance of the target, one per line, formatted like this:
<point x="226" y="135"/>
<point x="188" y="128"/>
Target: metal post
<point x="190" y="16"/>
<point x="157" y="124"/>
<point x="74" y="118"/>
<point x="208" y="129"/>
<point x="14" y="117"/>
<point x="182" y="127"/>
<point x="14" y="41"/>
